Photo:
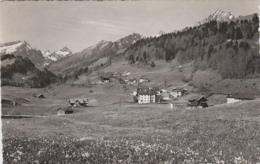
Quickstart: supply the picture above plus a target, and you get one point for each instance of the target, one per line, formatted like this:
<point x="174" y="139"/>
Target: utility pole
<point x="120" y="103"/>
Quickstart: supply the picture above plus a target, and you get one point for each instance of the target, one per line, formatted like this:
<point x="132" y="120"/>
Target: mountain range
<point x="54" y="56"/>
<point x="220" y="42"/>
<point x="103" y="50"/>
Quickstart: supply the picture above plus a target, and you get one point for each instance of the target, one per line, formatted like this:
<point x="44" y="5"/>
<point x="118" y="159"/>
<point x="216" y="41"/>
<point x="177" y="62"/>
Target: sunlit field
<point x="132" y="133"/>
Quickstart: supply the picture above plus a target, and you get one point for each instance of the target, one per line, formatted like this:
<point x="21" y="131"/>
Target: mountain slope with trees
<point x="230" y="47"/>
<point x="20" y="71"/>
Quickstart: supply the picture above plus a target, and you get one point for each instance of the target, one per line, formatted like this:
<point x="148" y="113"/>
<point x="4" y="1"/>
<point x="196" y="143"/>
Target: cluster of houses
<point x="145" y="95"/>
<point x="124" y="78"/>
<point x="78" y="102"/>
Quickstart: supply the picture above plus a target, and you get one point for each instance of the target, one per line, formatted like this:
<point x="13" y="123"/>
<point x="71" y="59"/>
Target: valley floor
<point x="114" y="132"/>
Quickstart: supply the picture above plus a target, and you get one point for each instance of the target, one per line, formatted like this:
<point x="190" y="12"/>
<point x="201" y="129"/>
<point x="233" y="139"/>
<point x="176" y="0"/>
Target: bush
<point x="186" y="79"/>
<point x="153" y="64"/>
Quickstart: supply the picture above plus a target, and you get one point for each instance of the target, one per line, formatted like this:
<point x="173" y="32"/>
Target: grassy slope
<point x="223" y="132"/>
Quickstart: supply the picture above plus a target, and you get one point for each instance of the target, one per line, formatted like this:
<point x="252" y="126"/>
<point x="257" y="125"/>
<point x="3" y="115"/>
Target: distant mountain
<point x="87" y="57"/>
<point x="127" y="41"/>
<point x="46" y="53"/>
<point x="20" y="71"/>
<point x="54" y="56"/>
<point x="218" y="16"/>
<point x="22" y="48"/>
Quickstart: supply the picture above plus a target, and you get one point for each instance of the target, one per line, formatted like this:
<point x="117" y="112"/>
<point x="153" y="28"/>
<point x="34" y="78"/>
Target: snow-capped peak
<point x="11" y="47"/>
<point x="46" y="53"/>
<point x="128" y="40"/>
<point x="65" y="51"/>
<point x="219" y="16"/>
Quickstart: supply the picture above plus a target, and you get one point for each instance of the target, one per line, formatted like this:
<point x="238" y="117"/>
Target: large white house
<point x="236" y="97"/>
<point x="146" y="95"/>
<point x="145" y="98"/>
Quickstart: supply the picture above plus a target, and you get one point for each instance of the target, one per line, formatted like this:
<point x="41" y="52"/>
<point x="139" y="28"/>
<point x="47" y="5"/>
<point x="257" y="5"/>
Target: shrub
<point x="186" y="79"/>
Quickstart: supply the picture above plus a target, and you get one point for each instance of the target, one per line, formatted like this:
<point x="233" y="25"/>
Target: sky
<point x="78" y="25"/>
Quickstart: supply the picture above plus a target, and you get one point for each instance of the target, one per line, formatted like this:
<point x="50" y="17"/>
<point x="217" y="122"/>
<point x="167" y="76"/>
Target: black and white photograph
<point x="130" y="82"/>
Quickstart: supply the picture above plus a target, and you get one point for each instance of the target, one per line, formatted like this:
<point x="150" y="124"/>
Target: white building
<point x="177" y="92"/>
<point x="144" y="99"/>
<point x="146" y="95"/>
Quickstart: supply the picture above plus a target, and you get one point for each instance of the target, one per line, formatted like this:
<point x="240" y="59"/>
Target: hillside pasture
<point x="133" y="133"/>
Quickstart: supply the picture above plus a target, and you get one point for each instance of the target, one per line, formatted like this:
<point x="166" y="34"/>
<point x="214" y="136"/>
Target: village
<point x="147" y="92"/>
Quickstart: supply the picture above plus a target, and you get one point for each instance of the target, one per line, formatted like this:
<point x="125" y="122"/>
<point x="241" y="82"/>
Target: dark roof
<point x="40" y="96"/>
<point x="179" y="90"/>
<point x="242" y="96"/>
<point x="198" y="99"/>
<point x="146" y="91"/>
<point x="105" y="78"/>
<point x="68" y="108"/>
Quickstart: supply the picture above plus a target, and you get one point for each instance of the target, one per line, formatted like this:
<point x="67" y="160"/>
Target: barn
<point x="199" y="102"/>
<point x="236" y="97"/>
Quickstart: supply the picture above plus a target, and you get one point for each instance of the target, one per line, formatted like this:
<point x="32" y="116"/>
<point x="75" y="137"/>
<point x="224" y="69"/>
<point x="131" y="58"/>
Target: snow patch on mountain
<point x="13" y="47"/>
<point x="219" y="16"/>
<point x="57" y="54"/>
<point x="128" y="40"/>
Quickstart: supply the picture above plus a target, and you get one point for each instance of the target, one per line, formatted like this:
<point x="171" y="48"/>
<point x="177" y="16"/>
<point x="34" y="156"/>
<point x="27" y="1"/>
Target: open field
<point x="124" y="132"/>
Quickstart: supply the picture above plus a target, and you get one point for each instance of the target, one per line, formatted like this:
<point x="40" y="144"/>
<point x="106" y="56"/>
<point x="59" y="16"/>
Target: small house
<point x="164" y="97"/>
<point x="116" y="74"/>
<point x="146" y="95"/>
<point x="126" y="73"/>
<point x="132" y="81"/>
<point x="199" y="102"/>
<point x="236" y="97"/>
<point x="105" y="80"/>
<point x="72" y="102"/>
<point x="144" y="80"/>
<point x="82" y="102"/>
<point x="6" y="102"/>
<point x="177" y="92"/>
<point x="64" y="110"/>
<point x="40" y="96"/>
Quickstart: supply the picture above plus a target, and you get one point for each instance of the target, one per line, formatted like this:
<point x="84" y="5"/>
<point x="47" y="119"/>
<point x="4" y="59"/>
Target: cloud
<point x="112" y="26"/>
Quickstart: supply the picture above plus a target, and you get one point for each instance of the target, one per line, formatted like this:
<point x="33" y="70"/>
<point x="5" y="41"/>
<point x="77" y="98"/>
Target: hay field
<point x="123" y="132"/>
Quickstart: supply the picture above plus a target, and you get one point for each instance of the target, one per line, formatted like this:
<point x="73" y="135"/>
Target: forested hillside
<point x="20" y="71"/>
<point x="229" y="47"/>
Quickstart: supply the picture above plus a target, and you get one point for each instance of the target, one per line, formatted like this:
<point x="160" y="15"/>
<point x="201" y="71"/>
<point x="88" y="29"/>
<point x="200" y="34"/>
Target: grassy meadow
<point x="125" y="132"/>
<point x="113" y="129"/>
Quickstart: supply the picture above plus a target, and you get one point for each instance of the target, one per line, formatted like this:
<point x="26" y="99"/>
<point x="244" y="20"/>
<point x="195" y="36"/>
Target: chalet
<point x="177" y="92"/>
<point x="105" y="80"/>
<point x="144" y="80"/>
<point x="6" y="102"/>
<point x="199" y="102"/>
<point x="132" y="81"/>
<point x="236" y="97"/>
<point x="64" y="110"/>
<point x="116" y="74"/>
<point x="40" y="96"/>
<point x="82" y="102"/>
<point x="72" y="102"/>
<point x="126" y="73"/>
<point x="165" y="96"/>
<point x="146" y="95"/>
